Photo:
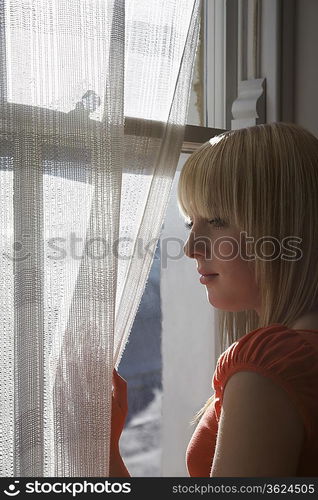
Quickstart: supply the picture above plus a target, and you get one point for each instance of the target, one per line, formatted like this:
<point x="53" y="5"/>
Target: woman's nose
<point x="199" y="246"/>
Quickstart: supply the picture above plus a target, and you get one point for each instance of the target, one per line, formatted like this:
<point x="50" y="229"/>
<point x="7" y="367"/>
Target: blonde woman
<point x="250" y="200"/>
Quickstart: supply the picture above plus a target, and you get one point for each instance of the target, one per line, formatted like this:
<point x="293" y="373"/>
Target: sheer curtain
<point x="83" y="193"/>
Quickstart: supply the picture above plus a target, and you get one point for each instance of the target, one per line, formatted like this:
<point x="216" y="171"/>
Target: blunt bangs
<point x="203" y="188"/>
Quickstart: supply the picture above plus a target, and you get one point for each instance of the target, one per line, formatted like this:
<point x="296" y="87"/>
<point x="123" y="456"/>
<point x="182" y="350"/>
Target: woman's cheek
<point x="226" y="248"/>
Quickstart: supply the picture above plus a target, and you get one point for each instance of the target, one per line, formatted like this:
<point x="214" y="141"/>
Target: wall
<point x="306" y="66"/>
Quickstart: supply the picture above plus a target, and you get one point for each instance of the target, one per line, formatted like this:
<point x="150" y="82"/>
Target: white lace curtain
<point x="83" y="193"/>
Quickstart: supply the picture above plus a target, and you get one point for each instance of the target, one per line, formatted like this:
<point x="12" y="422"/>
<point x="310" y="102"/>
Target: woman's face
<point x="219" y="249"/>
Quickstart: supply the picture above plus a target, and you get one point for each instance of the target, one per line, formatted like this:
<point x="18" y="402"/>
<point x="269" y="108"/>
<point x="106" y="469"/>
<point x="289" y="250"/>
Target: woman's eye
<point x="217" y="222"/>
<point x="188" y="225"/>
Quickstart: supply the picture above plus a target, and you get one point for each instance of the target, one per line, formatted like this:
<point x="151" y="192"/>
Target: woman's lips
<point x="207" y="278"/>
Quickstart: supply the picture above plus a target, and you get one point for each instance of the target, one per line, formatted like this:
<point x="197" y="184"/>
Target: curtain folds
<point x="81" y="209"/>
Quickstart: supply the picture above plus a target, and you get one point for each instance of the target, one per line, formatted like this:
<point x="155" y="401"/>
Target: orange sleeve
<point x="283" y="355"/>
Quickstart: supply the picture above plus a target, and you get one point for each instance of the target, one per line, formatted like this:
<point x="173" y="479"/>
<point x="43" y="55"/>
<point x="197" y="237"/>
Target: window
<point x="170" y="334"/>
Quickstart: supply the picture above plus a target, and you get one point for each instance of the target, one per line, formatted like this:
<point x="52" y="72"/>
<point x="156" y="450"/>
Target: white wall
<point x="306" y="65"/>
<point x="187" y="342"/>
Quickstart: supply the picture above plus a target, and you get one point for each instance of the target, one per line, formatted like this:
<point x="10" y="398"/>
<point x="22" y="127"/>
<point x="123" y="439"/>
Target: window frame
<point x="70" y="128"/>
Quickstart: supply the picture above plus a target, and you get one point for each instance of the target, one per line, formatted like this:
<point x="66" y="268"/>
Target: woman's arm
<point x="117" y="468"/>
<point x="260" y="430"/>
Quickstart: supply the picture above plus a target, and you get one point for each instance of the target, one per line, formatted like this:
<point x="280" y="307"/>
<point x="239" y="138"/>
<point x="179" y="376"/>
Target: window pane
<point x="57" y="57"/>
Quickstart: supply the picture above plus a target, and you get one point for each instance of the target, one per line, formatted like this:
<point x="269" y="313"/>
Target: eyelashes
<point x="217" y="222"/>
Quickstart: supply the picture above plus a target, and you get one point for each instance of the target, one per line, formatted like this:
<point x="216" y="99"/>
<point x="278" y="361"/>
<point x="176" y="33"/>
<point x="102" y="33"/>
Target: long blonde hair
<point x="264" y="179"/>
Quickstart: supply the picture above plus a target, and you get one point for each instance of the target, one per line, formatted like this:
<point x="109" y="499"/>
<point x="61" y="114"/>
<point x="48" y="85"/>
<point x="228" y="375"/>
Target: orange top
<point x="288" y="357"/>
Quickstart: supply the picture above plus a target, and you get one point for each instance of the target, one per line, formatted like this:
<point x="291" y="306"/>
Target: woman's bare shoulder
<point x="260" y="431"/>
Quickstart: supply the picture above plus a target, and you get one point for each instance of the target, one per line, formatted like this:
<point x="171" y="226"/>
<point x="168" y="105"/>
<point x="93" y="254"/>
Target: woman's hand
<point x="119" y="408"/>
<point x="117" y="468"/>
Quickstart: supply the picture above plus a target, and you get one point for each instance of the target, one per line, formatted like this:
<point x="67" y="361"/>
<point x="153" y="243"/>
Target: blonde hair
<point x="264" y="180"/>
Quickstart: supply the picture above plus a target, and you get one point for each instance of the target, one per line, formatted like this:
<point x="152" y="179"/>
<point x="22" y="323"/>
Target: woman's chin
<point x="219" y="305"/>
